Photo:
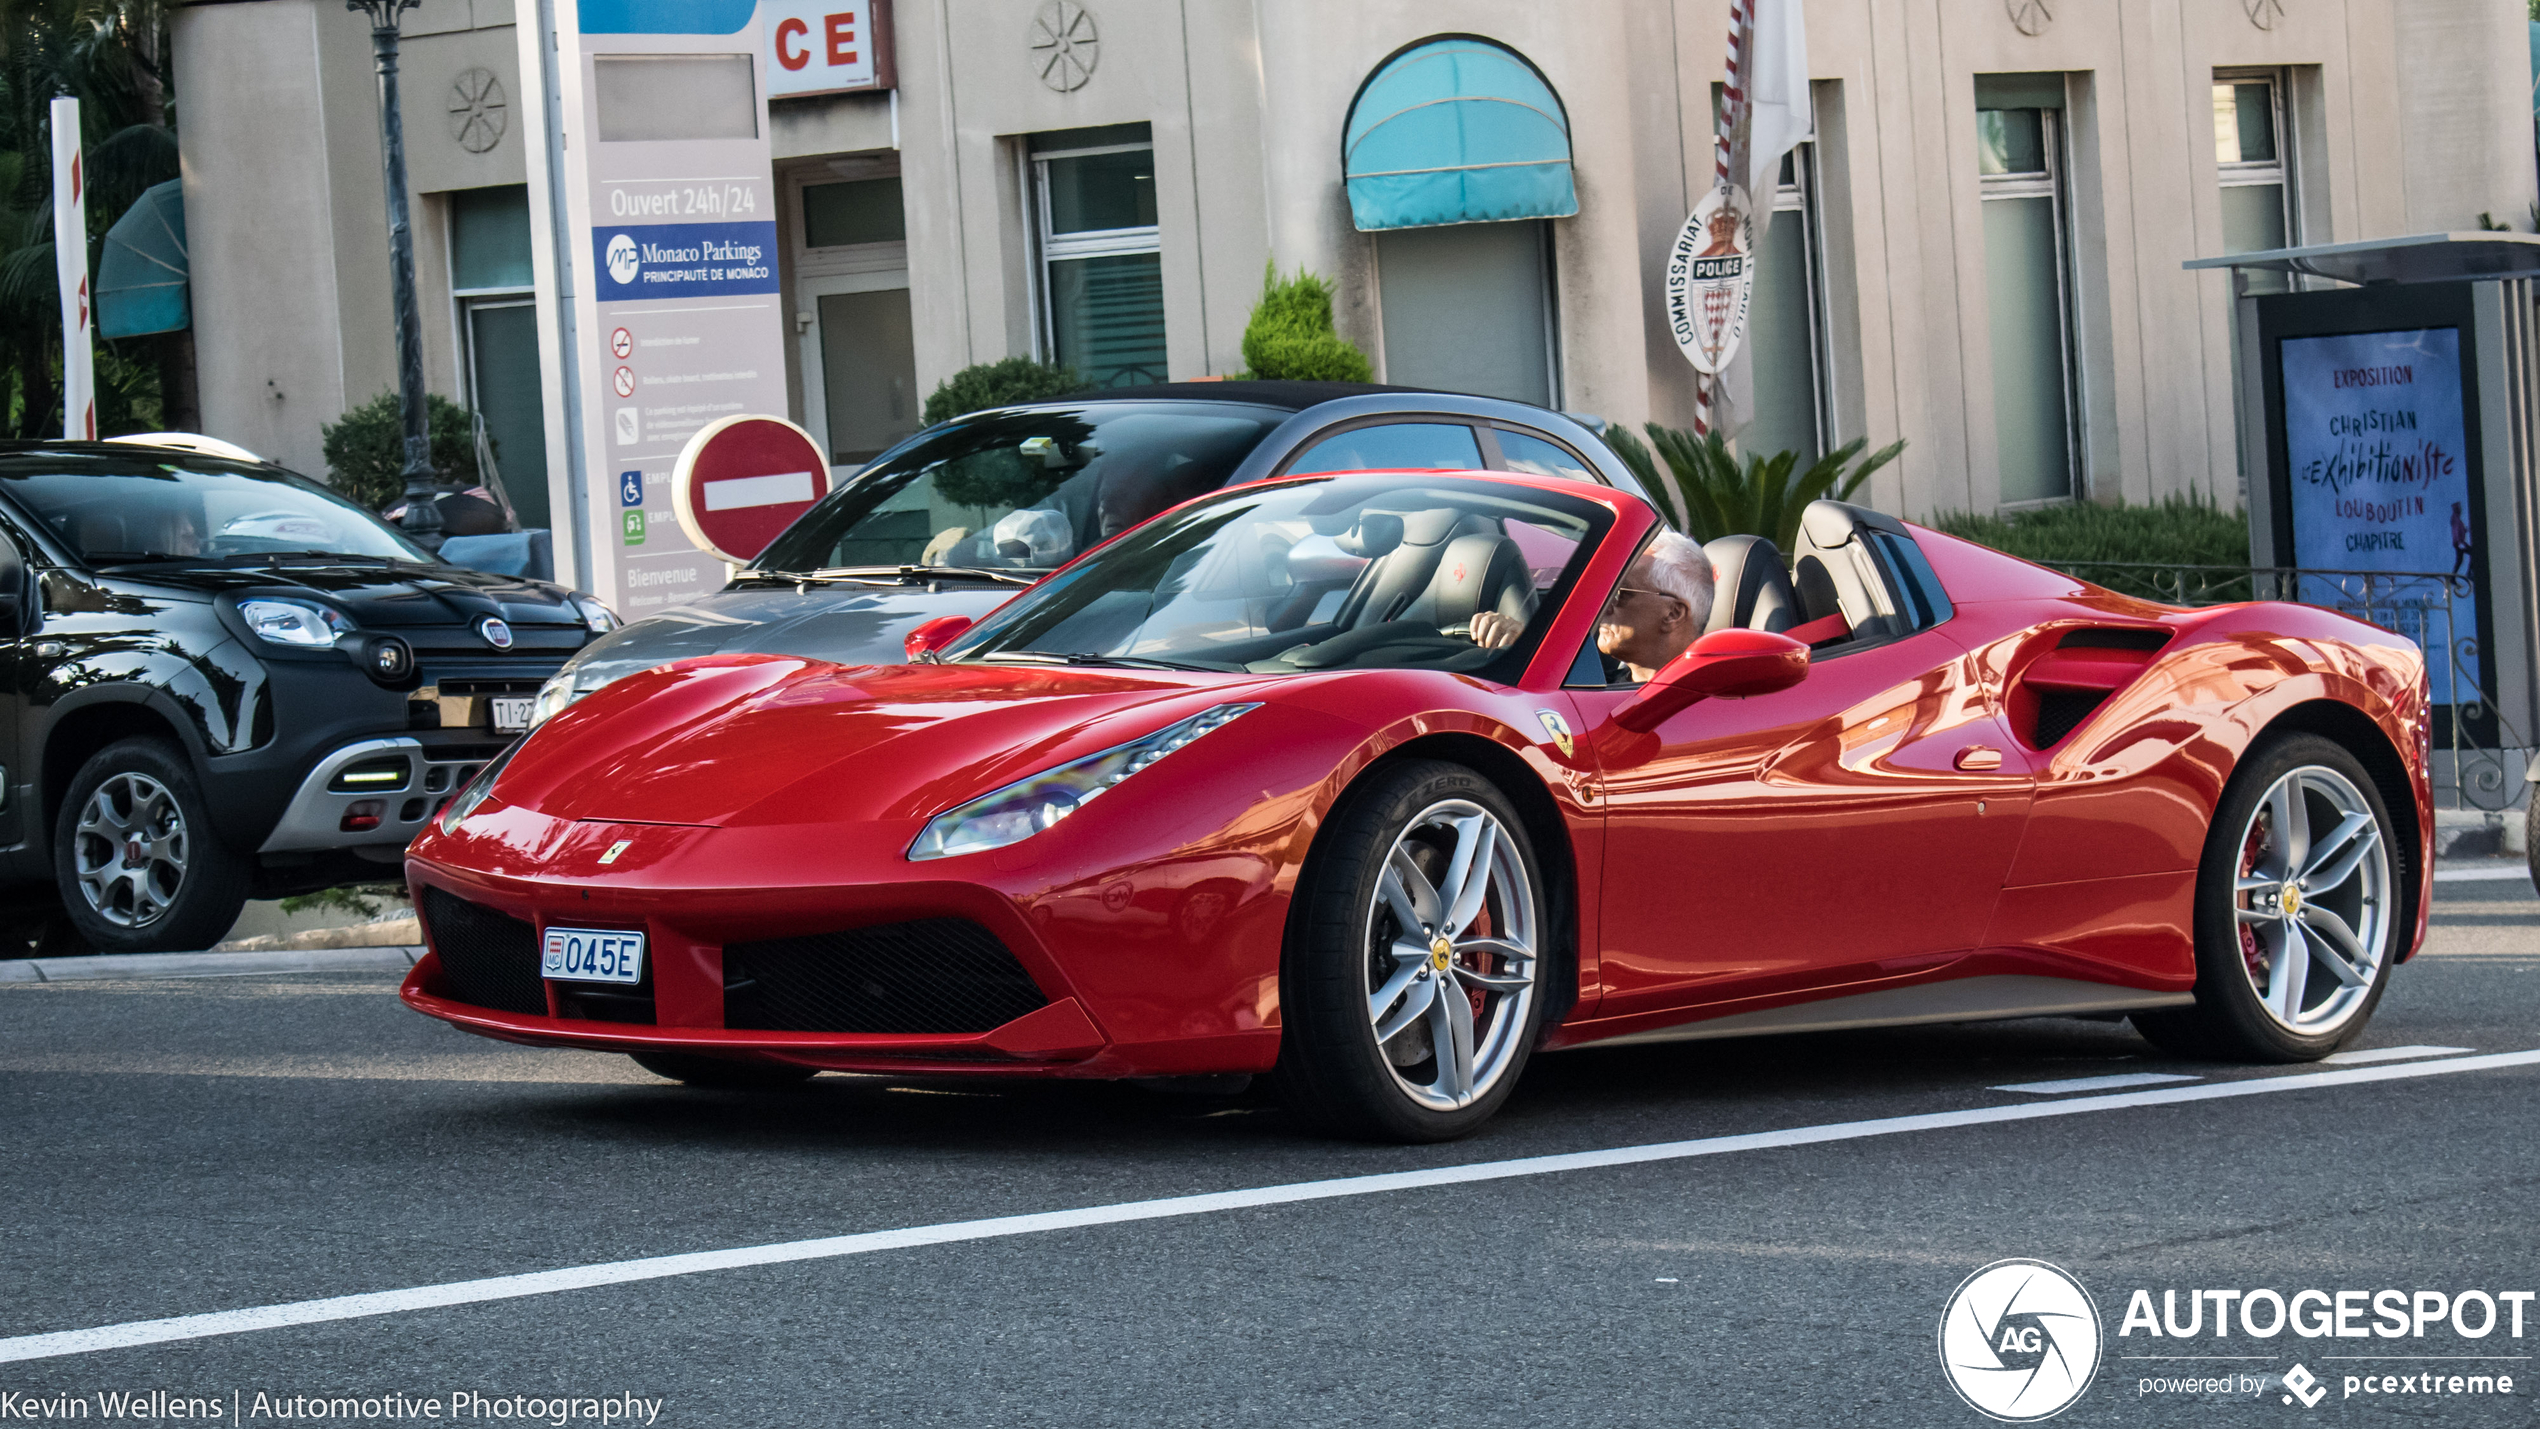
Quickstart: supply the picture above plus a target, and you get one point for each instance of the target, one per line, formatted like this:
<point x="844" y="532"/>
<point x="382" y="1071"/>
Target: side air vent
<point x="488" y="958"/>
<point x="2062" y="686"/>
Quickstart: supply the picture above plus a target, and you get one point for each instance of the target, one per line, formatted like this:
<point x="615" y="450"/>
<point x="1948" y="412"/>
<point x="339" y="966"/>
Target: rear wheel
<point x="722" y="1072"/>
<point x="135" y="858"/>
<point x="1409" y="989"/>
<point x="2297" y="910"/>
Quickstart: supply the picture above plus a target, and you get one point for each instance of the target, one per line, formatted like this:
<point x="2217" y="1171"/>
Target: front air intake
<point x="934" y="975"/>
<point x="488" y="959"/>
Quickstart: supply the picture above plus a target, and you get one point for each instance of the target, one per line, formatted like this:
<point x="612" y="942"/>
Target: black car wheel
<point x="2298" y="920"/>
<point x="1409" y="989"/>
<point x="136" y="859"/>
<point x="721" y="1072"/>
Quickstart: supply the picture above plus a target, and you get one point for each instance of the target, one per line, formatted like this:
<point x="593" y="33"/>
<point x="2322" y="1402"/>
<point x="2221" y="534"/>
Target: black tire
<point x="185" y="889"/>
<point x="2230" y="1020"/>
<point x="2531" y="833"/>
<point x="722" y="1072"/>
<point x="1331" y="1070"/>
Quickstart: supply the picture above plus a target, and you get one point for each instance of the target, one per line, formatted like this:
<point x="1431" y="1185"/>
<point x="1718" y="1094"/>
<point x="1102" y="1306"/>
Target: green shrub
<point x="1707" y="494"/>
<point x="1000" y="384"/>
<point x="1290" y="335"/>
<point x="366" y="451"/>
<point x="2176" y="531"/>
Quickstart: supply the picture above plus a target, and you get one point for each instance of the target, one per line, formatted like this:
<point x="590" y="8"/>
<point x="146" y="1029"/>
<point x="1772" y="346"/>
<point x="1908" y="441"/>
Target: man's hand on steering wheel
<point x="1494" y="631"/>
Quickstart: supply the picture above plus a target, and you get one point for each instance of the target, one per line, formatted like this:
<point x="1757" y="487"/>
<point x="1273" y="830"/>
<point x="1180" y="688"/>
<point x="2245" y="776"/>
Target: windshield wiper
<point x="886" y="575"/>
<point x="1088" y="657"/>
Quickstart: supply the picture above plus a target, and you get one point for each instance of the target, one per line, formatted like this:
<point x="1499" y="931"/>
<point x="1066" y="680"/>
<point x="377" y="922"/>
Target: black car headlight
<point x="1027" y="806"/>
<point x="304" y="623"/>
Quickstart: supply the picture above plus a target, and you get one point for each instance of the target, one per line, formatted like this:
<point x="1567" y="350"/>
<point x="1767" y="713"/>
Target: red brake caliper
<point x="2251" y="952"/>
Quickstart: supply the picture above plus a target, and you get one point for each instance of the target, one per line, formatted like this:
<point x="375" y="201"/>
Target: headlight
<point x="553" y="696"/>
<point x="596" y="618"/>
<point x="295" y="622"/>
<point x="1027" y="806"/>
<point x="474" y="793"/>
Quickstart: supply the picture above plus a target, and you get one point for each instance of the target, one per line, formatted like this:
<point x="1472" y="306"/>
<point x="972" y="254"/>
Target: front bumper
<point x="319" y="810"/>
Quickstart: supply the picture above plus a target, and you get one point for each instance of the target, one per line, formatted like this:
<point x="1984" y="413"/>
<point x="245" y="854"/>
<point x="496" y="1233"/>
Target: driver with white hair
<point x="1661" y="605"/>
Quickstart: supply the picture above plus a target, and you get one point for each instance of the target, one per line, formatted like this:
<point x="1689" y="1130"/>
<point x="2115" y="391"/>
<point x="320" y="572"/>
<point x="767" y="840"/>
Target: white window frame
<point x="2049" y="183"/>
<point x="1049" y="247"/>
<point x="837" y="268"/>
<point x="2279" y="171"/>
<point x="1801" y="197"/>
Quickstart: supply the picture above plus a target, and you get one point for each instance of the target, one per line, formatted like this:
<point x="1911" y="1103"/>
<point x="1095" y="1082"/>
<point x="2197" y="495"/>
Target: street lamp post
<point x="423" y="514"/>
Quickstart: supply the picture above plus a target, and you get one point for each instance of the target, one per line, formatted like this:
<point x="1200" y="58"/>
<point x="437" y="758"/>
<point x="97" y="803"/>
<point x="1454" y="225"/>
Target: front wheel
<point x="1411" y="985"/>
<point x="2297" y="910"/>
<point x="135" y="858"/>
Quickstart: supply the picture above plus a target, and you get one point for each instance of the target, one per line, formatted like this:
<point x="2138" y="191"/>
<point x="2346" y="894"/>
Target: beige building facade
<point x="1979" y="251"/>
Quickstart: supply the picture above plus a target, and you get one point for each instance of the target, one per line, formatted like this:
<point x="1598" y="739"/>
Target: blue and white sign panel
<point x="2376" y="441"/>
<point x="659" y="203"/>
<point x="685" y="260"/>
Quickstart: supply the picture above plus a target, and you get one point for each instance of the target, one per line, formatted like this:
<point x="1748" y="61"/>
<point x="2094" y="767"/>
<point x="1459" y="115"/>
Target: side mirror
<point x="934" y="635"/>
<point x="1724" y="662"/>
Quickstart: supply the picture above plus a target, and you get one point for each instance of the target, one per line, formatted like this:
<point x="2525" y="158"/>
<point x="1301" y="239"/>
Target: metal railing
<point x="2438" y="611"/>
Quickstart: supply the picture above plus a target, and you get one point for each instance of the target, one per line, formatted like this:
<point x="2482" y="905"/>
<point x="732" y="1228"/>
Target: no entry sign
<point x="741" y="480"/>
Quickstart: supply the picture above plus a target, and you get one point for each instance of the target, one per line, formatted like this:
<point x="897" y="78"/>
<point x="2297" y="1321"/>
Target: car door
<point x="1854" y="827"/>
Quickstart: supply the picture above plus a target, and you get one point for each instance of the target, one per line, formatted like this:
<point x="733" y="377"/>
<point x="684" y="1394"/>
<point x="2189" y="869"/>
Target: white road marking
<point x="2096" y="1084"/>
<point x="622" y="1272"/>
<point x="2466" y="875"/>
<point x="2391" y="1054"/>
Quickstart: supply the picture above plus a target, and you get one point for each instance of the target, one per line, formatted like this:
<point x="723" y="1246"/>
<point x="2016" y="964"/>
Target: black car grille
<point x="934" y="975"/>
<point x="488" y="959"/>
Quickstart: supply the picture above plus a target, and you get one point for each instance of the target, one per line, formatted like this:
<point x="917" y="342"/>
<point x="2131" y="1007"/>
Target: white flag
<point x="1778" y="114"/>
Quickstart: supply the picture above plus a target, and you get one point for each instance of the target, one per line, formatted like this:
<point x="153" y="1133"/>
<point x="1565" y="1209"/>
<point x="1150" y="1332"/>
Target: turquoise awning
<point x="1456" y="130"/>
<point x="141" y="277"/>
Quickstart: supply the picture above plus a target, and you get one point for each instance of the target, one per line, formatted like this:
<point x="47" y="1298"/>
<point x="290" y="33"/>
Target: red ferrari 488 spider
<point x="1327" y="778"/>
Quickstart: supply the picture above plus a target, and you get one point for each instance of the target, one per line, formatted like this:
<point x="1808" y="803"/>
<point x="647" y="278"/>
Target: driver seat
<point x="1405" y="550"/>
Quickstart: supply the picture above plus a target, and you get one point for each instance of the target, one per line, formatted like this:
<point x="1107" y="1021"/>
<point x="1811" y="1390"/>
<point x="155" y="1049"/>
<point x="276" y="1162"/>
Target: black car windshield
<point x="116" y="510"/>
<point x="1379" y="571"/>
<point x="1023" y="490"/>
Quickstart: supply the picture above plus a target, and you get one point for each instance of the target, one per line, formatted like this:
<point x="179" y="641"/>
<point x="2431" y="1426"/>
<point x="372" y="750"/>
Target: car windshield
<point x="115" y="510"/>
<point x="1024" y="490"/>
<point x="1362" y="571"/>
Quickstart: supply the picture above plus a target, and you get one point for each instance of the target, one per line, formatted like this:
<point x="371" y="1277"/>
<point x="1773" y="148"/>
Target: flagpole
<point x="70" y="268"/>
<point x="1727" y="159"/>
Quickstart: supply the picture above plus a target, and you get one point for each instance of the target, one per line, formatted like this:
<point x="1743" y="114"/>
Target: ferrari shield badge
<point x="1558" y="728"/>
<point x="1711" y="279"/>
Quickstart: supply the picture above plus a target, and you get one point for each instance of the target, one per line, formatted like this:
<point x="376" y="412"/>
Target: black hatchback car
<point x="220" y="680"/>
<point x="952" y="520"/>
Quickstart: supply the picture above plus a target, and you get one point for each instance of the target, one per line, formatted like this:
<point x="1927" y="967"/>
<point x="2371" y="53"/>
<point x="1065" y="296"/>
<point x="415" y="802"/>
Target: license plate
<point x="511" y="713"/>
<point x="593" y="955"/>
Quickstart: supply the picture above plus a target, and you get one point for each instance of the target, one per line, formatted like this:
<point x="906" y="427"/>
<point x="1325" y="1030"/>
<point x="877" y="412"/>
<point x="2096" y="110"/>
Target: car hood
<point x="381" y="597"/>
<point x="844" y="625"/>
<point x="765" y="739"/>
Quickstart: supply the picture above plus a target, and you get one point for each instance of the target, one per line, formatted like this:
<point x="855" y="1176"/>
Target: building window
<point x="1102" y="271"/>
<point x="498" y="339"/>
<point x="1467" y="307"/>
<point x="2249" y="158"/>
<point x="2027" y="259"/>
<point x="1786" y="327"/>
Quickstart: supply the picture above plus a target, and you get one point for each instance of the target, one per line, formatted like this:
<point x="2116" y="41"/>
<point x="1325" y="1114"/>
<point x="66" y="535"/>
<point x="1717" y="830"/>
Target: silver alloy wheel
<point x="1451" y="955"/>
<point x="2312" y="897"/>
<point x="130" y="850"/>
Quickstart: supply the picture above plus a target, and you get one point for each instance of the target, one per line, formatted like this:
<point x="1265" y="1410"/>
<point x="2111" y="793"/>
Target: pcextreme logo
<point x="2020" y="1341"/>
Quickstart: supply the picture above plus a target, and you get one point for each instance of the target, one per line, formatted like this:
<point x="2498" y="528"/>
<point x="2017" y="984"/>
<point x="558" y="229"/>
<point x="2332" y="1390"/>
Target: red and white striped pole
<point x="1727" y="139"/>
<point x="70" y="266"/>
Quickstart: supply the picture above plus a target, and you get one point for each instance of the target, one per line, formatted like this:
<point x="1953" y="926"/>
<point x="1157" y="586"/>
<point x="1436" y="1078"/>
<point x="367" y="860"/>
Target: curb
<point x="129" y="967"/>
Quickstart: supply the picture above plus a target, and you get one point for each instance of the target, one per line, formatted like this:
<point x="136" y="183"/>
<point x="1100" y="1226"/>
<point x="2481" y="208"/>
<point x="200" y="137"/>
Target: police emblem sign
<point x="1711" y="279"/>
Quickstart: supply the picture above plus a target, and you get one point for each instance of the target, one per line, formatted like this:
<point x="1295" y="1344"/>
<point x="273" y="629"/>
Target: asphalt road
<point x="184" y="1146"/>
